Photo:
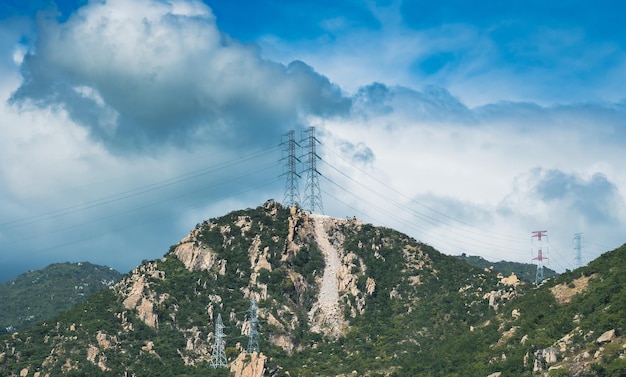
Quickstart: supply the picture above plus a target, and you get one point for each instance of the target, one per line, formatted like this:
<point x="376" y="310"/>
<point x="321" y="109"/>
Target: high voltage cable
<point x="373" y="220"/>
<point x="441" y="223"/>
<point x="566" y="260"/>
<point x="403" y="222"/>
<point x="153" y="219"/>
<point x="505" y="236"/>
<point x="152" y="204"/>
<point x="599" y="247"/>
<point x="435" y="222"/>
<point x="424" y="218"/>
<point x="130" y="193"/>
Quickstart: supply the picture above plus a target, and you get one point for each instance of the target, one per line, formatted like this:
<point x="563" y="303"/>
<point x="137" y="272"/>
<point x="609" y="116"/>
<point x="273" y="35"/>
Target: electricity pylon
<point x="538" y="234"/>
<point x="578" y="245"/>
<point x="218" y="358"/>
<point x="292" y="194"/>
<point x="312" y="191"/>
<point x="253" y="335"/>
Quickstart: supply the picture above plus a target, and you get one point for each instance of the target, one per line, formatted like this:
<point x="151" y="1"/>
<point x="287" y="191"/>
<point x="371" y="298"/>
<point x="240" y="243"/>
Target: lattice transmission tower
<point x="578" y="247"/>
<point x="312" y="191"/>
<point x="539" y="258"/>
<point x="292" y="193"/>
<point x="218" y="357"/>
<point x="253" y="335"/>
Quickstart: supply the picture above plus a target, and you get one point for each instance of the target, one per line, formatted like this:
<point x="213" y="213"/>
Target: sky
<point x="466" y="125"/>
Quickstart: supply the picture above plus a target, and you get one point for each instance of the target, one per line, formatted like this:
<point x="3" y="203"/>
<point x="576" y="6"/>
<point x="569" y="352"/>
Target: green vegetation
<point x="597" y="308"/>
<point x="38" y="295"/>
<point x="411" y="311"/>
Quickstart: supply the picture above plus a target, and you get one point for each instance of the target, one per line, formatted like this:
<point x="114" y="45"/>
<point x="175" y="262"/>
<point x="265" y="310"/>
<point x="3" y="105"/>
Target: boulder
<point x="606" y="337"/>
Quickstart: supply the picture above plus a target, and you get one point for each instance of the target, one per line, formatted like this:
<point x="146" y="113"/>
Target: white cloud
<point x="163" y="72"/>
<point x="482" y="171"/>
<point x="136" y="120"/>
<point x="480" y="63"/>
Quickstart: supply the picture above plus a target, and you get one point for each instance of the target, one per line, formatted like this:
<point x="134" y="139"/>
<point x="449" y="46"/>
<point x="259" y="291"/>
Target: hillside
<point x="40" y="294"/>
<point x="524" y="271"/>
<point x="336" y="297"/>
<point x="573" y="325"/>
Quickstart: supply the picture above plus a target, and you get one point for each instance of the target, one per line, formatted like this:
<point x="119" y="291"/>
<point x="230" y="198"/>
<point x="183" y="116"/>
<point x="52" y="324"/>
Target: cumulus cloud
<point x="147" y="73"/>
<point x="356" y="152"/>
<point x="594" y="200"/>
<point x="433" y="103"/>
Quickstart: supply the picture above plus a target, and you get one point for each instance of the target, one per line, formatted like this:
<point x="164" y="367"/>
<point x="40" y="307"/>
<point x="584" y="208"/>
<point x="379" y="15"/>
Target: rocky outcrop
<point x="248" y="365"/>
<point x="96" y="355"/>
<point x="564" y="292"/>
<point x="511" y="280"/>
<point x="136" y="293"/>
<point x="194" y="255"/>
<point x="496" y="298"/>
<point x="197" y="349"/>
<point x="544" y="358"/>
<point x="606" y="337"/>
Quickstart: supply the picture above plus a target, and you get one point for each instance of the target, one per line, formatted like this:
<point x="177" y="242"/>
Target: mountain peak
<point x="319" y="296"/>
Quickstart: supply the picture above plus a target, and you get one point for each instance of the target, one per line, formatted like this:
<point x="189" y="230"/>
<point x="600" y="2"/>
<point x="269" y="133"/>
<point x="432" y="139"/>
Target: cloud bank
<point x="145" y="73"/>
<point x="480" y="180"/>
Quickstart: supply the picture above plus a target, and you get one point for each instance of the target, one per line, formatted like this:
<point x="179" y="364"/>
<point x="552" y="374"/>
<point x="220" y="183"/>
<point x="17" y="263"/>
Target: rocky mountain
<point x="524" y="271"/>
<point x="321" y="296"/>
<point x="40" y="294"/>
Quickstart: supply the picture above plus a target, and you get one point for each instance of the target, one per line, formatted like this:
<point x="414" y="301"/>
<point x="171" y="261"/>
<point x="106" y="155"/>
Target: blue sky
<point x="123" y="124"/>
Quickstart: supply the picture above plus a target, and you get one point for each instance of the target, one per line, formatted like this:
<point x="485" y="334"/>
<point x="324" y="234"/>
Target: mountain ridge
<point x="401" y="308"/>
<point x="524" y="271"/>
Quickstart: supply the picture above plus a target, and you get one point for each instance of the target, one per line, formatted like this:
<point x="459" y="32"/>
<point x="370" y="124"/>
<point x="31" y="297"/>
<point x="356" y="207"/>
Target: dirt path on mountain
<point x="325" y="315"/>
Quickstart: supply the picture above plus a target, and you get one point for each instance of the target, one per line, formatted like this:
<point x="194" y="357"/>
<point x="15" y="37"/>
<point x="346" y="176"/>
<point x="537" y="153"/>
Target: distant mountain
<point x="302" y="294"/>
<point x="41" y="294"/>
<point x="524" y="271"/>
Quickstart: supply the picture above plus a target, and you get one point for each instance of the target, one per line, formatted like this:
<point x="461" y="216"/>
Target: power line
<point x="402" y="207"/>
<point x="213" y="199"/>
<point x="412" y="200"/>
<point x="109" y="199"/>
<point x="433" y="234"/>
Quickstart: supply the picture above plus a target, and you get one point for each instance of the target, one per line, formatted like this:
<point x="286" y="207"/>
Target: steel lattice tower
<point x="578" y="245"/>
<point x="538" y="234"/>
<point x="292" y="193"/>
<point x="312" y="191"/>
<point x="218" y="358"/>
<point x="253" y="335"/>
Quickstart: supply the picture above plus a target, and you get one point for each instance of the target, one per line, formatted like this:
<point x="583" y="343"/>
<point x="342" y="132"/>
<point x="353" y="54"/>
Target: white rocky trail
<point x="325" y="314"/>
